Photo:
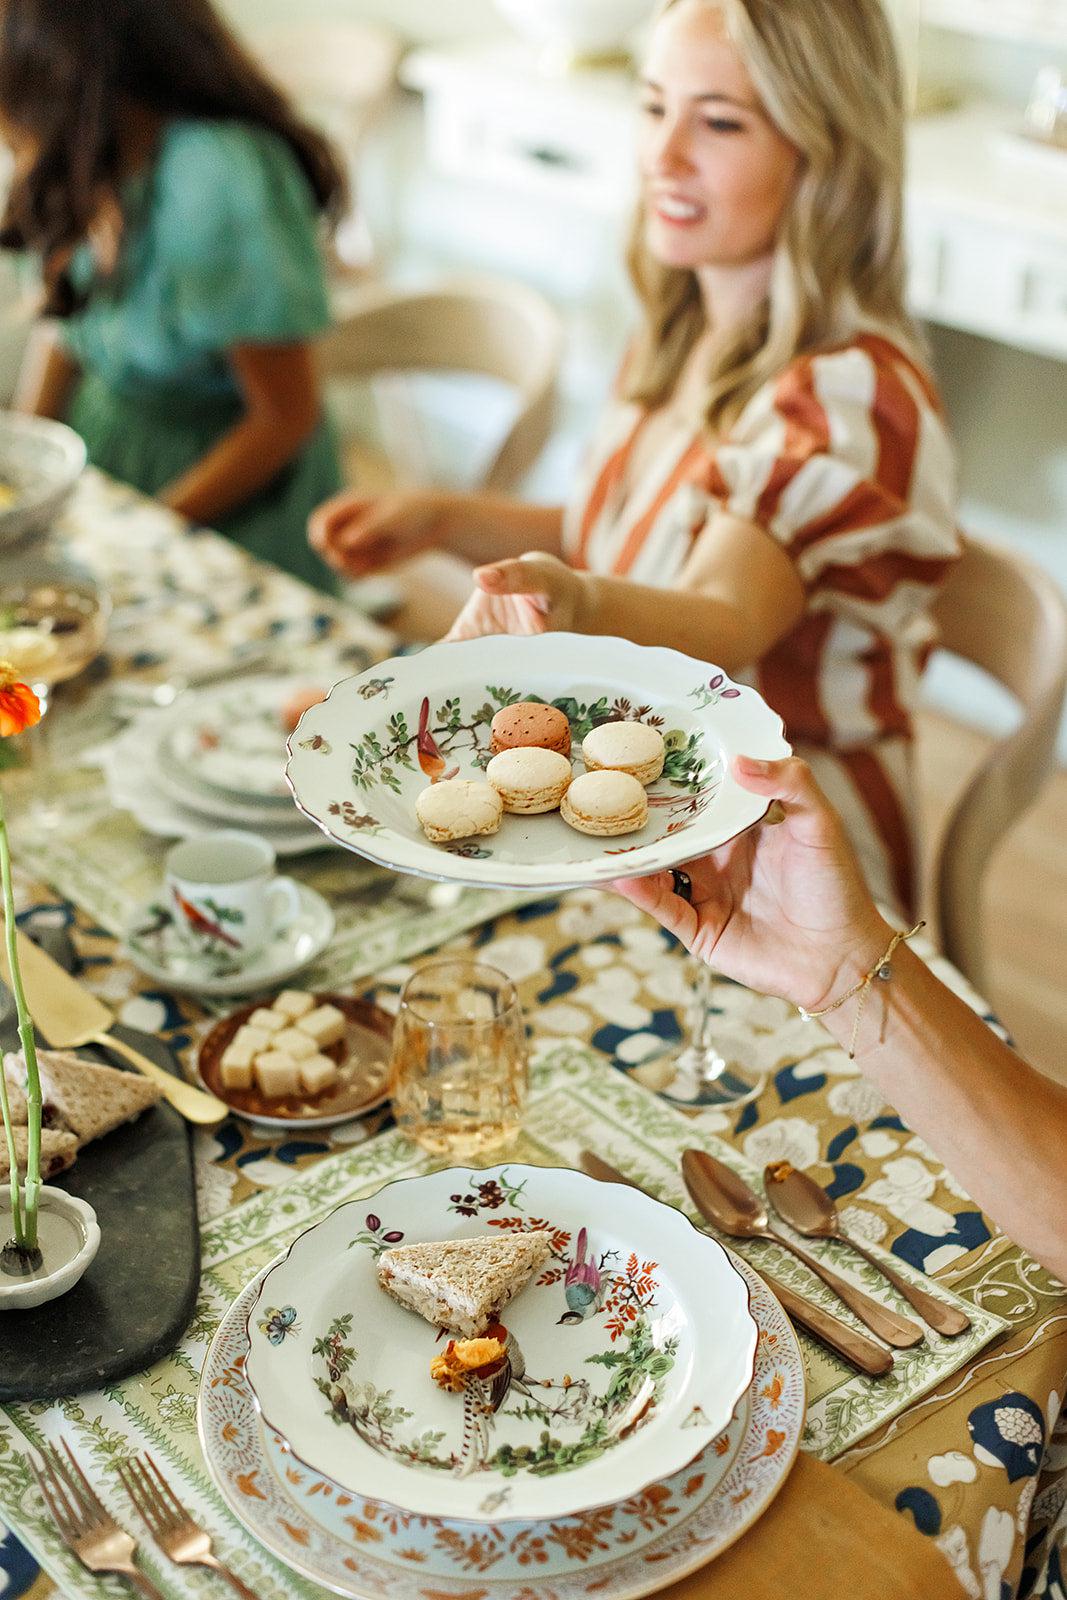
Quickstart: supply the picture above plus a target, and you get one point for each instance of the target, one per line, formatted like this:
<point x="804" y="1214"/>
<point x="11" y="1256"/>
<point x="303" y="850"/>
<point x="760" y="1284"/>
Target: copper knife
<point x="863" y="1353"/>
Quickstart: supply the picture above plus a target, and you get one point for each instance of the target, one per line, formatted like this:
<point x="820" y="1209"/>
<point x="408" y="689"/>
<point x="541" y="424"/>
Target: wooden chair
<point x="1004" y="614"/>
<point x="489" y="326"/>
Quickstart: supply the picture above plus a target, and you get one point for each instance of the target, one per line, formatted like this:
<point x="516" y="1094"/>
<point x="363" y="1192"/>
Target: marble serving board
<point x="135" y="1301"/>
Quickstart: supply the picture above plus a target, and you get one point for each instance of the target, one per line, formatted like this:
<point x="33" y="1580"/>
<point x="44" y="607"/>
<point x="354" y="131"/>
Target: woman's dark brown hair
<point x="68" y="68"/>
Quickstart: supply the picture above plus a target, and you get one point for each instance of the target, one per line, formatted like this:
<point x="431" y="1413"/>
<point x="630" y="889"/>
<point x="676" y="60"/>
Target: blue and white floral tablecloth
<point x="978" y="1461"/>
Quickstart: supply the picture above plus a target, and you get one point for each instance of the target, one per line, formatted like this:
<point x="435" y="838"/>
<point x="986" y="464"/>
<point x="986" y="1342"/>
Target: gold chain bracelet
<point x="881" y="970"/>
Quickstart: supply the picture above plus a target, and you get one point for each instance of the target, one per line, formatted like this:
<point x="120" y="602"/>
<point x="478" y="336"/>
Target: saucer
<point x="152" y="944"/>
<point x="362" y="1055"/>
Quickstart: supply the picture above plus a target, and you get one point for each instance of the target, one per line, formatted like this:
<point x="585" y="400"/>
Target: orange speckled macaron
<point x="530" y="724"/>
<point x="605" y="803"/>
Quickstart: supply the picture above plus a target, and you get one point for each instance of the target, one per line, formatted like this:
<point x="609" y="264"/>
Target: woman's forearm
<point x="996" y="1123"/>
<point x="491" y="527"/>
<point x="696" y="623"/>
<point x="241" y="463"/>
<point x="47" y="375"/>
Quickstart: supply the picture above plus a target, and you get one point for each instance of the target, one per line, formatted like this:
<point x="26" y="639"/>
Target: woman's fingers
<point x="796" y="797"/>
<point x="509" y="613"/>
<point x="326" y="520"/>
<point x="655" y="894"/>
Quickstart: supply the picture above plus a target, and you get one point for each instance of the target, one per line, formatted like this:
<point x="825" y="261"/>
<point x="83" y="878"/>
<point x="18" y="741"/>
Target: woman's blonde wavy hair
<point x="827" y="74"/>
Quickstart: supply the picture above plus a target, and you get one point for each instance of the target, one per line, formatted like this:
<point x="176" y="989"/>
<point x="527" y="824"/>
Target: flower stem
<point x="24" y="1219"/>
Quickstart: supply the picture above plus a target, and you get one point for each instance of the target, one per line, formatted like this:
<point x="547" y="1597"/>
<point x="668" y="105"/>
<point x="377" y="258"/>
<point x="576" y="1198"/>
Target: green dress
<point x="219" y="248"/>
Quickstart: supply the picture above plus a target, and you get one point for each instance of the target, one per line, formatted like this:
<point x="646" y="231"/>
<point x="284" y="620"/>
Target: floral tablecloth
<point x="978" y="1462"/>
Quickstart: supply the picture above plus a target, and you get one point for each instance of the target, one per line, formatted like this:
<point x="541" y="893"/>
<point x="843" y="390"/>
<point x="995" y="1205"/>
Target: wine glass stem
<point x="701" y="1055"/>
<point x="703" y="1023"/>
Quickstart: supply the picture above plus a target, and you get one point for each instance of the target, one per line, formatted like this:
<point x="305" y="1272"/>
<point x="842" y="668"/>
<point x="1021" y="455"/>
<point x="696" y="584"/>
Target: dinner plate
<point x="361" y="1547"/>
<point x="610" y="1382"/>
<point x="356" y="769"/>
<point x="362" y="1056"/>
<point x="241" y="813"/>
<point x="151" y="942"/>
<point x="230" y="741"/>
<point x="134" y="785"/>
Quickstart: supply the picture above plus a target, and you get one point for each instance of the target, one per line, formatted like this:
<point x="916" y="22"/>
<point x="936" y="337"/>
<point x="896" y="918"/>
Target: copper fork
<point x="84" y="1521"/>
<point x="170" y="1524"/>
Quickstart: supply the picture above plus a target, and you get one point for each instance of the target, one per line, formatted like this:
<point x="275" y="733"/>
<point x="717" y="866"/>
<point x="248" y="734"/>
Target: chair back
<point x="489" y="326"/>
<point x="1004" y="614"/>
<point x="342" y="69"/>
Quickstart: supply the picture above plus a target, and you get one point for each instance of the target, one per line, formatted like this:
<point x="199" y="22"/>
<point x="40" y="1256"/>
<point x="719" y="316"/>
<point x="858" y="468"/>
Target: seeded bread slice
<point x="85" y="1098"/>
<point x="57" y="1152"/>
<point x="461" y="1284"/>
<point x="16" y="1094"/>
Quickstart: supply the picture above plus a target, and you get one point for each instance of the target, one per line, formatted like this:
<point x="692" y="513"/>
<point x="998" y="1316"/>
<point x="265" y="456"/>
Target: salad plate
<point x="359" y="1546"/>
<point x="229" y="739"/>
<point x="626" y="1352"/>
<point x="357" y="761"/>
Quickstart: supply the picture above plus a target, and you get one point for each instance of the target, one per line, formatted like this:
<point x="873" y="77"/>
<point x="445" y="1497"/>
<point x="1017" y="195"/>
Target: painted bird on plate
<point x="431" y="760"/>
<point x="582" y="1284"/>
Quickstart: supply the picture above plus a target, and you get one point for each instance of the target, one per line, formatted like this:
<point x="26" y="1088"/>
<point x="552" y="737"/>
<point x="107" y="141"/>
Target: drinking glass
<point x="707" y="1072"/>
<point x="459" y="1060"/>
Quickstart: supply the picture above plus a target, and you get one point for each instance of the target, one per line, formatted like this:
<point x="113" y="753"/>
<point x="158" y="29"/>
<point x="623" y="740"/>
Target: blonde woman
<point x="772" y="487"/>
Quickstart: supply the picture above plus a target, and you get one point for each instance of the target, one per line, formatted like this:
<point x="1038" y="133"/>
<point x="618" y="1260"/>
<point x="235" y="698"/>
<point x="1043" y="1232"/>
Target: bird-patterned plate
<point x="624" y="1355"/>
<point x="358" y="761"/>
<point x="229" y="739"/>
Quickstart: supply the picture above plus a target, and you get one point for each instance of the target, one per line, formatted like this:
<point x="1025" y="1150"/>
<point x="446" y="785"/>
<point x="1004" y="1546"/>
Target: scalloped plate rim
<point x="705" y="1239"/>
<point x="439" y="865"/>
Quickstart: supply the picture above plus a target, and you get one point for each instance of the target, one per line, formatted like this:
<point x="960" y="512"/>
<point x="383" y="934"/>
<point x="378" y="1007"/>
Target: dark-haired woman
<point x="174" y="200"/>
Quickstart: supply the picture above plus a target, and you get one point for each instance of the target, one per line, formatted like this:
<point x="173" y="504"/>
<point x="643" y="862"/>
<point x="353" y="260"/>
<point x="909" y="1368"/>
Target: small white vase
<point x="68" y="1238"/>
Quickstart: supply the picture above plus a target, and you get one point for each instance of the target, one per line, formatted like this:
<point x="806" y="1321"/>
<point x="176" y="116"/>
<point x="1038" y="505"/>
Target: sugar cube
<point x="277" y="1074"/>
<point x="293" y="1003"/>
<point x="246" y="1044"/>
<point x="294" y="1043"/>
<point x="235" y="1074"/>
<point x="317" y="1072"/>
<point x="269" y="1021"/>
<point x="326" y="1025"/>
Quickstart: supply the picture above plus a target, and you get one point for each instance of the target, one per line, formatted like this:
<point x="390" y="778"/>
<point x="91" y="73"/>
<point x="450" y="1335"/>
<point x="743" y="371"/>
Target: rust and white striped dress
<point x="846" y="461"/>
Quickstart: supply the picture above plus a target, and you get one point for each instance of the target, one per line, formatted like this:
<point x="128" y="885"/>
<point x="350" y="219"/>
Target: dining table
<point x="948" y="1475"/>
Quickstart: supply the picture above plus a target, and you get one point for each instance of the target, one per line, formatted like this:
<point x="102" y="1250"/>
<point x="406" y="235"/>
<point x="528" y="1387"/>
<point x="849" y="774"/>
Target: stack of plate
<point x="216" y="758"/>
<point x="649" y="1408"/>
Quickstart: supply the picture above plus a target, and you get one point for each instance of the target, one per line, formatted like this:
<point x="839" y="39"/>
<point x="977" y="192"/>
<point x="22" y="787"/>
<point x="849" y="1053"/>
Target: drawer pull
<point x="546" y="156"/>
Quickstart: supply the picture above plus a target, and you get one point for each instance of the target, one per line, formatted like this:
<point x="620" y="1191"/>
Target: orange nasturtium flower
<point x="19" y="706"/>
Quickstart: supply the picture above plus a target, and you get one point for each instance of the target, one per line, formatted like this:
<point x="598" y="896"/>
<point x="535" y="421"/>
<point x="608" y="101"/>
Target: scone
<point x="529" y="723"/>
<point x="631" y="747"/>
<point x="529" y="780"/>
<point x="459" y="808"/>
<point x="605" y="803"/>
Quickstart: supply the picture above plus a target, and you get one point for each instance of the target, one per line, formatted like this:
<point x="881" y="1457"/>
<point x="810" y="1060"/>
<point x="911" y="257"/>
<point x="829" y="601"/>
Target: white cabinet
<point x="987" y="234"/>
<point x="492" y="117"/>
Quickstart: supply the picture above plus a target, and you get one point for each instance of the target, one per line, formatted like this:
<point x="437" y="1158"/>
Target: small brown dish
<point x="362" y="1057"/>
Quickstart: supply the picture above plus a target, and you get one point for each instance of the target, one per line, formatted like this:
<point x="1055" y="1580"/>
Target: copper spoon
<point x="799" y="1201"/>
<point x="728" y="1202"/>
